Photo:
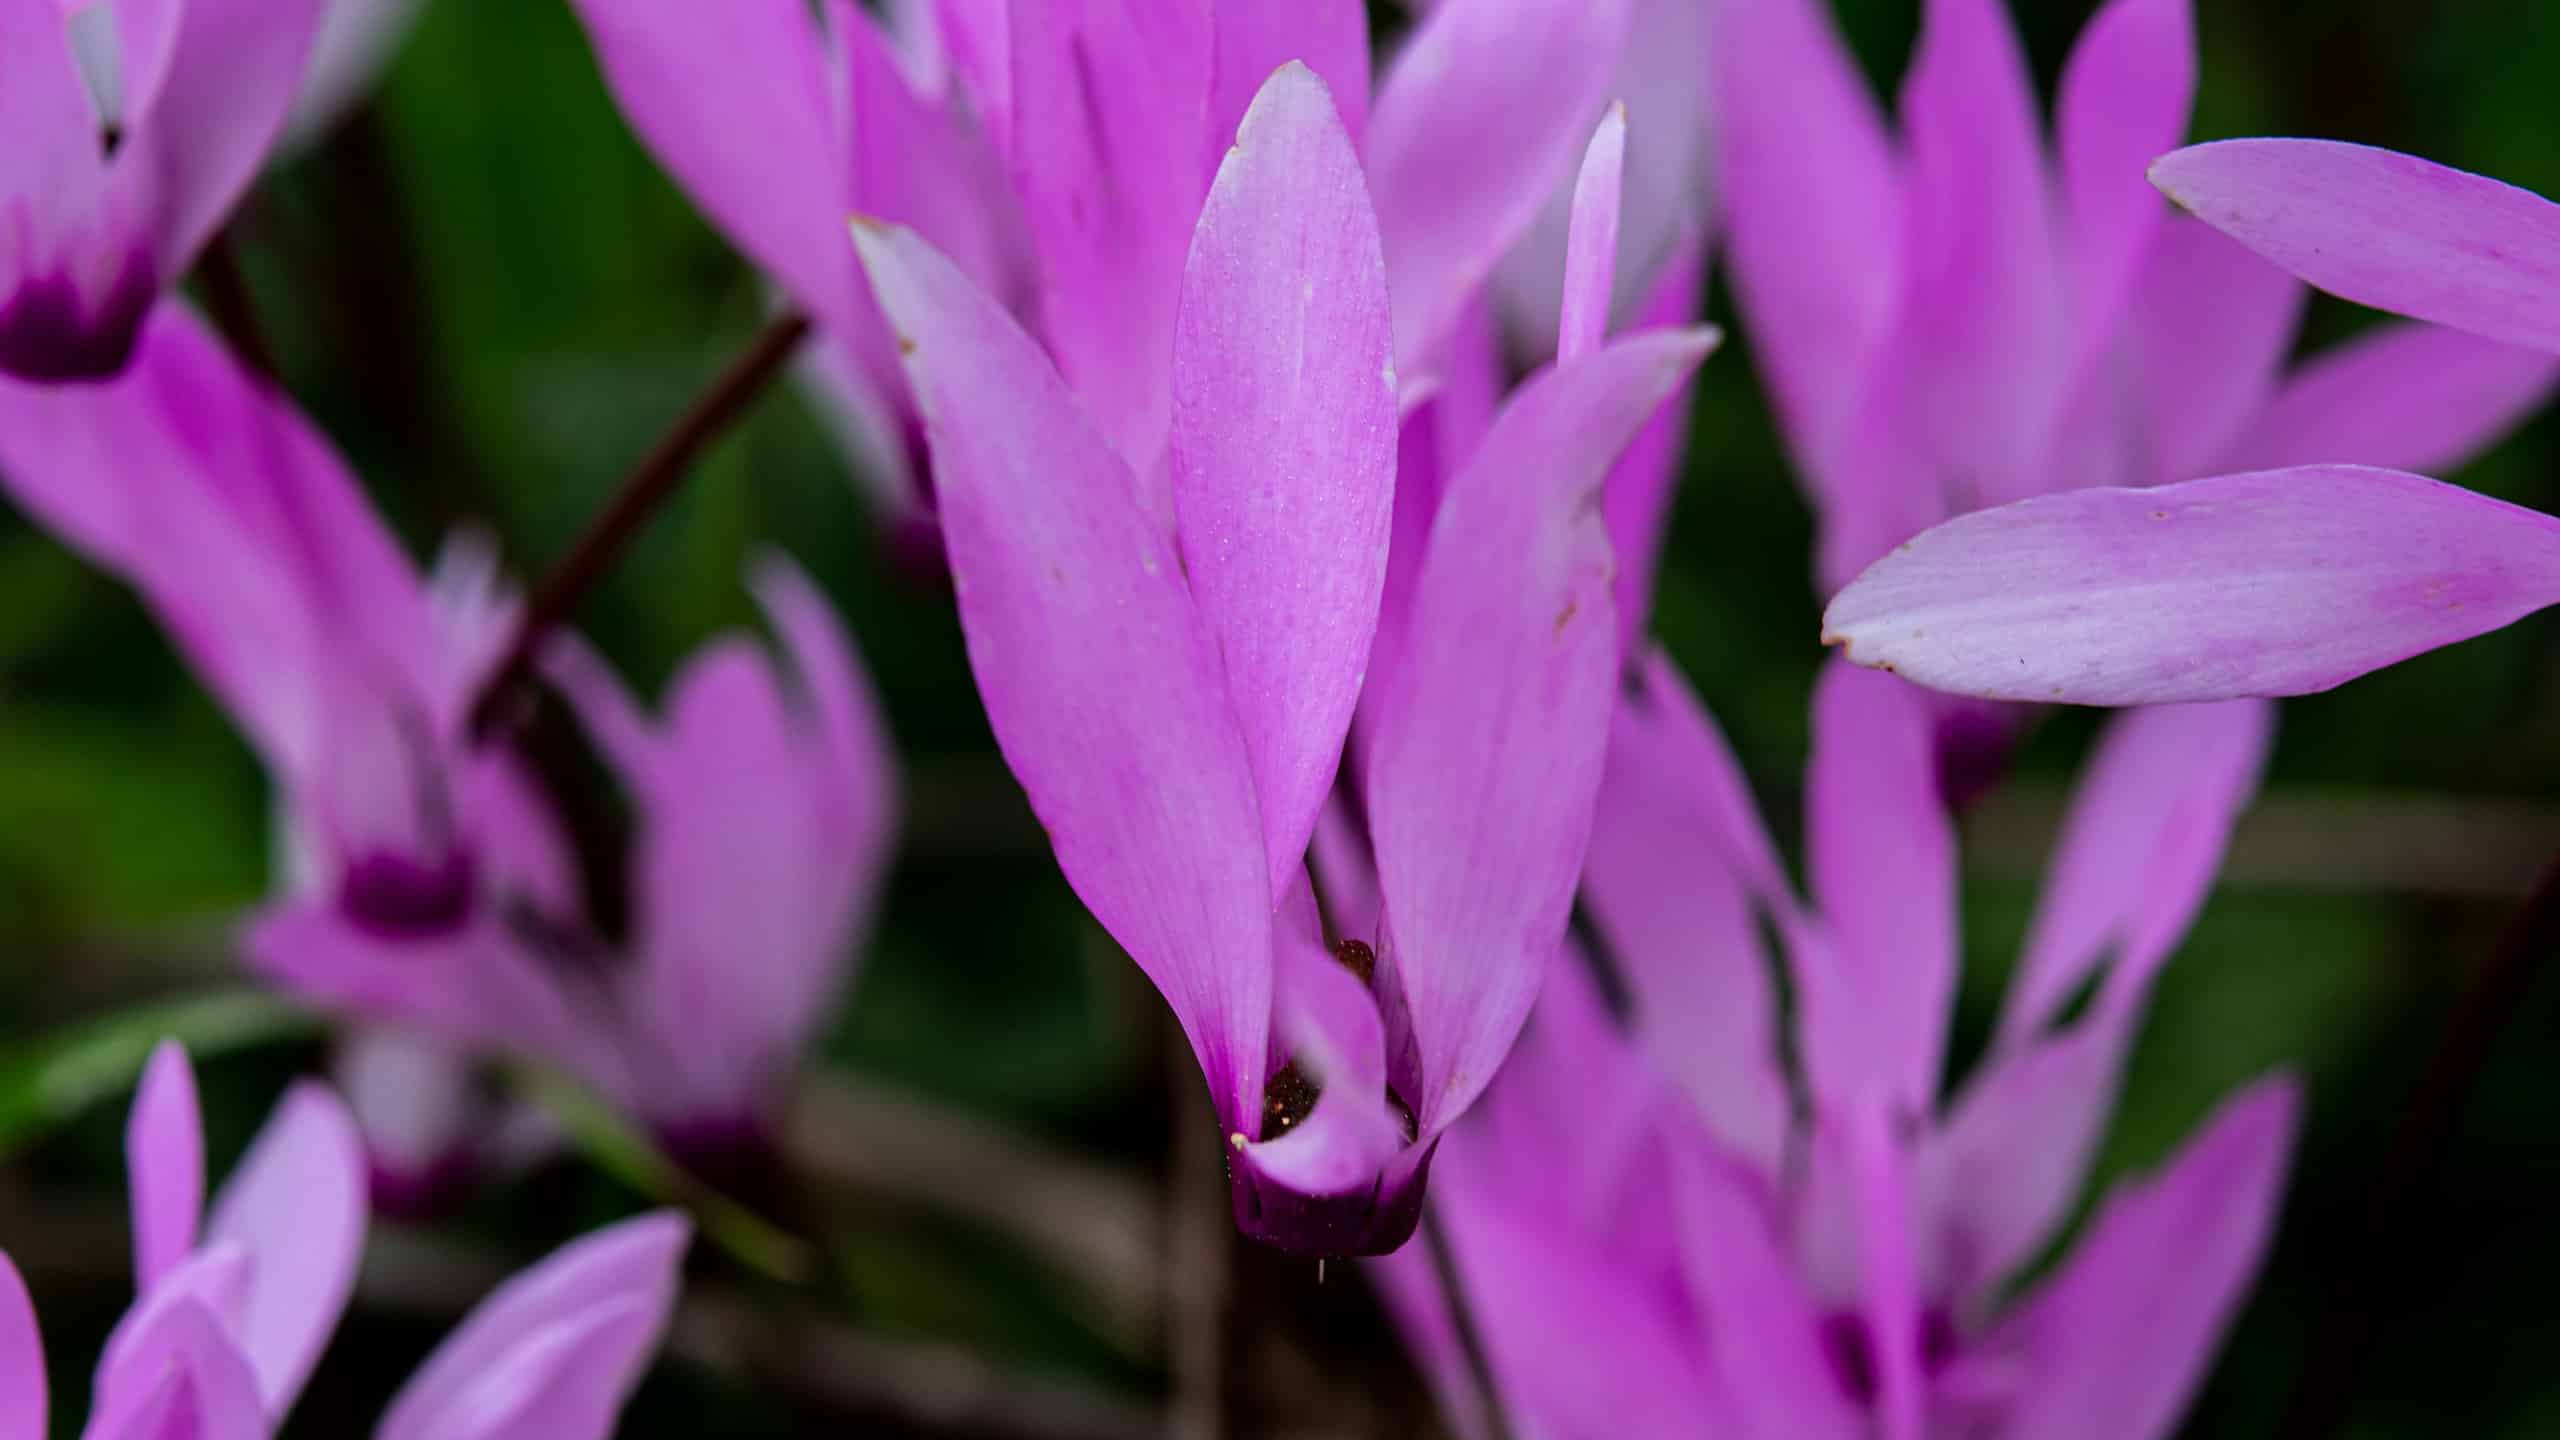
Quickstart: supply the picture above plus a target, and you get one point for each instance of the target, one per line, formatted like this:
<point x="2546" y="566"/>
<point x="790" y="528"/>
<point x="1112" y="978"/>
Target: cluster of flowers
<point x="1300" y="451"/>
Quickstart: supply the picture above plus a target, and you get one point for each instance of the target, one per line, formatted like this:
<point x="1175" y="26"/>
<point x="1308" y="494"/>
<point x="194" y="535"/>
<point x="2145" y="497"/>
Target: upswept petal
<point x="2116" y="1342"/>
<point x="164" y="1163"/>
<point x="1679" y="877"/>
<point x="1284" y="444"/>
<point x="1767" y="1349"/>
<point x="2210" y="331"/>
<point x="1480" y="119"/>
<point x="1256" y="37"/>
<point x="1491" y="728"/>
<point x="2277" y="582"/>
<point x="2404" y="397"/>
<point x="1110" y="113"/>
<point x="1101" y="681"/>
<point x="917" y="161"/>
<point x="181" y="1378"/>
<point x="355" y="41"/>
<point x="1636" y="500"/>
<point x="735" y="101"/>
<point x="2384" y="229"/>
<point x="233" y="75"/>
<point x="21" y="1358"/>
<point x="829" y="682"/>
<point x="977" y="35"/>
<point x="1815" y="267"/>
<point x="1880" y="861"/>
<point x="1591" y="245"/>
<point x="140" y="37"/>
<point x="2124" y="98"/>
<point x="1331" y="1027"/>
<point x="556" y="1349"/>
<point x="44" y="108"/>
<point x="296" y="1206"/>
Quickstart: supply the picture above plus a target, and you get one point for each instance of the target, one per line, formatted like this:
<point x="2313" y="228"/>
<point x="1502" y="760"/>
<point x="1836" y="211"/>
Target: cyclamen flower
<point x="2117" y="597"/>
<point x="1684" y="1223"/>
<point x="429" y="880"/>
<point x="1958" y="317"/>
<point x="1176" y="705"/>
<point x="234" y="1309"/>
<point x="132" y="128"/>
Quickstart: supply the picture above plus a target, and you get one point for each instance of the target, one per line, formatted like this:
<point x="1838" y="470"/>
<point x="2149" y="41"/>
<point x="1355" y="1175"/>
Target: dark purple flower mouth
<point x="48" y="334"/>
<point x="391" y="896"/>
<point x="1374" y="1221"/>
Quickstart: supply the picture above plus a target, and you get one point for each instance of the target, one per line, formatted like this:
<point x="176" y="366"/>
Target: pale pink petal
<point x="2384" y="229"/>
<point x="1100" y="679"/>
<point x="232" y="77"/>
<point x="1284" y="444"/>
<point x="1481" y="117"/>
<point x="21" y="1359"/>
<point x="164" y="1161"/>
<point x="296" y="1206"/>
<point x="734" y="100"/>
<point x="125" y="47"/>
<point x="356" y="40"/>
<point x="2406" y="396"/>
<point x="2278" y="582"/>
<point x="2210" y="329"/>
<point x="1815" y="267"/>
<point x="2114" y="1345"/>
<point x="178" y="1378"/>
<point x="1591" y="251"/>
<point x="556" y="1350"/>
<point x="837" y="696"/>
<point x="2124" y="98"/>
<point x="53" y="156"/>
<point x="1256" y="37"/>
<point x="1491" y="728"/>
<point x="1880" y="861"/>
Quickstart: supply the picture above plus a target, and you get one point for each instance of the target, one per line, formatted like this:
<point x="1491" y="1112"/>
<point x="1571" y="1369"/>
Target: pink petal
<point x="2279" y="582"/>
<point x="1591" y="251"/>
<point x="232" y="77"/>
<point x="2408" y="397"/>
<point x="978" y="34"/>
<point x="2116" y="1342"/>
<point x="2383" y="229"/>
<point x="917" y="161"/>
<point x="21" y="1359"/>
<point x="2124" y="98"/>
<point x="1768" y="1350"/>
<point x="1491" y="728"/>
<point x="180" y="1378"/>
<point x="143" y="36"/>
<point x="1878" y="1172"/>
<point x="1284" y="444"/>
<point x="53" y="156"/>
<point x="2210" y="330"/>
<point x="296" y="1205"/>
<point x="1636" y="501"/>
<point x="556" y="1350"/>
<point x="1110" y="114"/>
<point x="735" y="101"/>
<point x="1331" y="1026"/>
<point x="1815" y="267"/>
<point x="1880" y="860"/>
<point x="1679" y="875"/>
<point x="836" y="696"/>
<point x="1100" y="678"/>
<point x="1482" y="116"/>
<point x="1257" y="37"/>
<point x="164" y="1158"/>
<point x="355" y="43"/>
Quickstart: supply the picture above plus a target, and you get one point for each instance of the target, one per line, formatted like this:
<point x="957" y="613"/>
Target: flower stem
<point x="648" y="486"/>
<point x="2365" y="1292"/>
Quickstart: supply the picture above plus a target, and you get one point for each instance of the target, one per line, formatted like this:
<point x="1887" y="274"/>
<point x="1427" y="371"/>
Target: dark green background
<point x="489" y="296"/>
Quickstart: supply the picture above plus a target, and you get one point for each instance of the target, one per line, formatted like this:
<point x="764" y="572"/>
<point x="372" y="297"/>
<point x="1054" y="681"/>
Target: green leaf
<point x="50" y="1080"/>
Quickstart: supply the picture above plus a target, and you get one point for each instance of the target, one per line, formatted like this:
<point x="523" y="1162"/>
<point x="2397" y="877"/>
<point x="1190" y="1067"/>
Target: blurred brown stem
<point x="2366" y="1288"/>
<point x="234" y="310"/>
<point x="1197" y="1240"/>
<point x="648" y="486"/>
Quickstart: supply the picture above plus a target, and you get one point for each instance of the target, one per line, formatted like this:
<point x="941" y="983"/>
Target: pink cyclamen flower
<point x="235" y="1306"/>
<point x="132" y="128"/>
<point x="1176" y="703"/>
<point x="2122" y="597"/>
<point x="430" y="880"/>
<point x="1676" y="1220"/>
<point x="1962" y="315"/>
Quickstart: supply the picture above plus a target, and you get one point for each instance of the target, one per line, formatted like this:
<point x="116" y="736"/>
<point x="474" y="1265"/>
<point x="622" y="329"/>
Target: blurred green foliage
<point x="492" y="300"/>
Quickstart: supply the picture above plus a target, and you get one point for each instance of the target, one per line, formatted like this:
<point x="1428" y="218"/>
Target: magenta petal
<point x="2406" y="397"/>
<point x="1482" y="116"/>
<point x="53" y="155"/>
<point x="1491" y="728"/>
<point x="1284" y="443"/>
<point x="1100" y="679"/>
<point x="734" y="100"/>
<point x="2124" y="98"/>
<point x="177" y="1376"/>
<point x="164" y="1158"/>
<point x="1591" y="245"/>
<point x="553" y="1353"/>
<point x="237" y="66"/>
<point x="296" y="1206"/>
<point x="1880" y="860"/>
<point x="2115" y="1344"/>
<point x="1768" y="1351"/>
<point x="1256" y="37"/>
<point x="2384" y="229"/>
<point x="21" y="1359"/>
<point x="1322" y="1186"/>
<point x="1636" y="501"/>
<point x="2279" y="582"/>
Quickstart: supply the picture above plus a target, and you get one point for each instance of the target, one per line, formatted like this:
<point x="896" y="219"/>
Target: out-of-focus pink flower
<point x="1682" y="1219"/>
<point x="1174" y="691"/>
<point x="131" y="128"/>
<point x="234" y="1307"/>
<point x="356" y="39"/>
<point x="428" y="879"/>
